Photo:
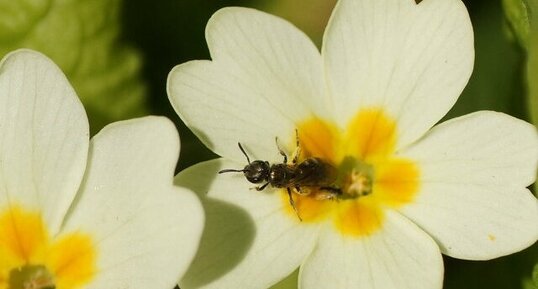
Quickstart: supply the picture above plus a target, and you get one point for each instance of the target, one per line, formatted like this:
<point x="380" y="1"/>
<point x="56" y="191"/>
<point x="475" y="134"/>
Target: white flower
<point x="76" y="213"/>
<point x="388" y="71"/>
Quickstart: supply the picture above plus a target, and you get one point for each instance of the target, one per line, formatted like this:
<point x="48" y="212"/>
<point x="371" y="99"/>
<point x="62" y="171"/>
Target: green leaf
<point x="517" y="13"/>
<point x="532" y="63"/>
<point x="18" y="17"/>
<point x="523" y="19"/>
<point x="82" y="37"/>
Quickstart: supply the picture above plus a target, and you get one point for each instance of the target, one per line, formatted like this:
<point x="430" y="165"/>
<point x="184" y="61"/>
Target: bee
<point x="311" y="173"/>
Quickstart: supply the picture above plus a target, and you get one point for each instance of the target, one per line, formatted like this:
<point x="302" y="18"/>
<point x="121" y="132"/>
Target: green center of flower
<point x="355" y="178"/>
<point x="31" y="277"/>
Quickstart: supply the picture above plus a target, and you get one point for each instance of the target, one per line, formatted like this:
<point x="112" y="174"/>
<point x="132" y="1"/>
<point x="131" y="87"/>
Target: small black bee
<point x="312" y="172"/>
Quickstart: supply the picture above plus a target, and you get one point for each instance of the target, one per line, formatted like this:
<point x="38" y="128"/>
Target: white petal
<point x="265" y="75"/>
<point x="473" y="173"/>
<point x="412" y="60"/>
<point x="401" y="256"/>
<point x="43" y="136"/>
<point x="248" y="241"/>
<point x="484" y="148"/>
<point x="146" y="230"/>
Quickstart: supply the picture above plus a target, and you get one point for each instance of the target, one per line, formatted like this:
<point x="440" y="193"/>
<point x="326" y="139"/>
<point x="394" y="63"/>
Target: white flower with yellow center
<point x="76" y="213"/>
<point x="388" y="71"/>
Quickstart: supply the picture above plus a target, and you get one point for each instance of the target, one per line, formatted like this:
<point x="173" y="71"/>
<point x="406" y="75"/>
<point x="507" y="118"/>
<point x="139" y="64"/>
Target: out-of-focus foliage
<point x="532" y="66"/>
<point x="532" y="283"/>
<point x="535" y="276"/>
<point x="310" y="16"/>
<point x="523" y="20"/>
<point x="517" y="13"/>
<point x="81" y="36"/>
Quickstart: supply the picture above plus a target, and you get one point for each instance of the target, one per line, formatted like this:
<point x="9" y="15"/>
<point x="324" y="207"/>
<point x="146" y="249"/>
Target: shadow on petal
<point x="228" y="232"/>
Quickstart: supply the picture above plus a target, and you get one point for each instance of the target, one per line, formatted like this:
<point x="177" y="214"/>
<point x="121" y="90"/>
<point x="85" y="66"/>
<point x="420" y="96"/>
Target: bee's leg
<point x="298" y="189"/>
<point x="260" y="188"/>
<point x="292" y="203"/>
<point x="297" y="152"/>
<point x="281" y="151"/>
<point x="334" y="190"/>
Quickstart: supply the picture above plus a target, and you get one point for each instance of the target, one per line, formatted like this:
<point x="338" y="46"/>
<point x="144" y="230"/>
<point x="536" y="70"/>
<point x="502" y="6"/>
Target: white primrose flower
<point x="80" y="213"/>
<point x="388" y="71"/>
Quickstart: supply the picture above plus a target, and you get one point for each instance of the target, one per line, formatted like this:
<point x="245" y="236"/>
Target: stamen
<point x="360" y="184"/>
<point x="356" y="178"/>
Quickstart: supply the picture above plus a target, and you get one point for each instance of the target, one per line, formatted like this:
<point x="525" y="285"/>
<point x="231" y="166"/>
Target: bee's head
<point x="255" y="172"/>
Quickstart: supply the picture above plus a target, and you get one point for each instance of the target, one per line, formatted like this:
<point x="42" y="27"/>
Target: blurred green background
<point x="118" y="54"/>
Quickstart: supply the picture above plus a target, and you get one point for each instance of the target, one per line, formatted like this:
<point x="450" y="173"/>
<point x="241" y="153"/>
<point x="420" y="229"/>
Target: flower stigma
<point x="370" y="175"/>
<point x="31" y="259"/>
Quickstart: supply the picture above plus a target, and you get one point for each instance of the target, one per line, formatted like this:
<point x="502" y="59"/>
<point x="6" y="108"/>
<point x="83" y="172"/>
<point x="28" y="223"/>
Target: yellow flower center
<point x="370" y="175"/>
<point x="29" y="259"/>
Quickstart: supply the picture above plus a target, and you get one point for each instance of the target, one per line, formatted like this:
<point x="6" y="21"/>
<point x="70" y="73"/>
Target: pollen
<point x="358" y="184"/>
<point x="30" y="258"/>
<point x="370" y="174"/>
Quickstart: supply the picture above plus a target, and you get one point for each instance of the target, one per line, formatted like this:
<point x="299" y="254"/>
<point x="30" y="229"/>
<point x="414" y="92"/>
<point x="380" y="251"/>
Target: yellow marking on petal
<point x="370" y="175"/>
<point x="22" y="233"/>
<point x="492" y="237"/>
<point x="27" y="250"/>
<point x="72" y="260"/>
<point x="370" y="134"/>
<point x="310" y="209"/>
<point x="310" y="134"/>
<point x="3" y="279"/>
<point x="358" y="218"/>
<point x="396" y="182"/>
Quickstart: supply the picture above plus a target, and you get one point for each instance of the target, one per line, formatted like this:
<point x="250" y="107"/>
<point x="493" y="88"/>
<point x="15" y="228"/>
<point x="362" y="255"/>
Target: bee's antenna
<point x="241" y="148"/>
<point x="230" y="170"/>
<point x="236" y="170"/>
